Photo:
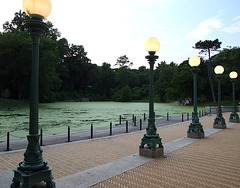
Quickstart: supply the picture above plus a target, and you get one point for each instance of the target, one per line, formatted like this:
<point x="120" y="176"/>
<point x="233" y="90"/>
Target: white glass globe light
<point x="194" y="61"/>
<point x="37" y="7"/>
<point x="219" y="69"/>
<point x="233" y="75"/>
<point x="152" y="44"/>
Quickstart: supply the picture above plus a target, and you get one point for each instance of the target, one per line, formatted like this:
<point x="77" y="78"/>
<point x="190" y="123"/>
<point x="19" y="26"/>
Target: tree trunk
<point x="210" y="76"/>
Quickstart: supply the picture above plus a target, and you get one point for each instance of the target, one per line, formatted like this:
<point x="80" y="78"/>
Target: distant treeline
<point x="67" y="73"/>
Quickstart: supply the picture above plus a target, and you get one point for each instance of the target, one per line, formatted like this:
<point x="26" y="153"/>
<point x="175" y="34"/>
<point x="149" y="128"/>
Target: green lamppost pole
<point x="151" y="138"/>
<point x="234" y="116"/>
<point x="195" y="129"/>
<point x="33" y="169"/>
<point x="219" y="121"/>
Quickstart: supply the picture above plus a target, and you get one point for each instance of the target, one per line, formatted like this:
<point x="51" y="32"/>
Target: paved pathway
<point x="71" y="158"/>
<point x="211" y="162"/>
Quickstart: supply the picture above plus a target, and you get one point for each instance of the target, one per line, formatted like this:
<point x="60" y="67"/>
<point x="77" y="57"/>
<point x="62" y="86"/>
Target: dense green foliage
<point x="66" y="73"/>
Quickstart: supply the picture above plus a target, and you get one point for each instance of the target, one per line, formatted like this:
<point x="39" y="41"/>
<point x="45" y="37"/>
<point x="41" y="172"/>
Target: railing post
<point x="91" y="130"/>
<point x="167" y="117"/>
<point x="127" y="126"/>
<point x="140" y="124"/>
<point x="41" y="137"/>
<point x="144" y="117"/>
<point x="133" y="118"/>
<point x="187" y="116"/>
<point x="120" y="119"/>
<point x="182" y="117"/>
<point x="69" y="134"/>
<point x="8" y="140"/>
<point x="110" y="128"/>
<point x="135" y="121"/>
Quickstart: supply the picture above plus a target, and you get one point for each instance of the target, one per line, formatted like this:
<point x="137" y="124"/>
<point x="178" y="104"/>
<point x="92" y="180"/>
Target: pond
<point x="56" y="117"/>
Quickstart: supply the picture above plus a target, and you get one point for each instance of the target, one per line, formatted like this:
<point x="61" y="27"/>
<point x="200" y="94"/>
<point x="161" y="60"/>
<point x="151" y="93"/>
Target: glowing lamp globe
<point x="152" y="44"/>
<point x="233" y="75"/>
<point x="219" y="69"/>
<point x="37" y="7"/>
<point x="194" y="61"/>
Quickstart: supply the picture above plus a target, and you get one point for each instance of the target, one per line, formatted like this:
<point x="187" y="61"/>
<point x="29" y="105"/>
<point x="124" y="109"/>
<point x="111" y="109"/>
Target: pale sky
<point x="109" y="29"/>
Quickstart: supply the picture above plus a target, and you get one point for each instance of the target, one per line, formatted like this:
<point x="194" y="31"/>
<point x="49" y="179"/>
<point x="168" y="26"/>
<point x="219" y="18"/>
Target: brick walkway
<point x="184" y="165"/>
<point x="211" y="162"/>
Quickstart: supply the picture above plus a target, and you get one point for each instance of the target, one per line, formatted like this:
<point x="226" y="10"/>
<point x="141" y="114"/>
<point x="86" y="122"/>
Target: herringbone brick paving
<point x="210" y="162"/>
<point x="71" y="158"/>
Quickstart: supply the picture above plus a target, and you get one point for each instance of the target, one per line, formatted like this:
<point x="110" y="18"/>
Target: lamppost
<point x="33" y="168"/>
<point x="195" y="129"/>
<point x="219" y="121"/>
<point x="151" y="138"/>
<point x="234" y="116"/>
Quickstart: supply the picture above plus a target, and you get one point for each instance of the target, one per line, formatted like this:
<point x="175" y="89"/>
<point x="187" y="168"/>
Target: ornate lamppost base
<point x="195" y="135"/>
<point x="30" y="178"/>
<point x="147" y="152"/>
<point x="219" y="123"/>
<point x="234" y="118"/>
<point x="195" y="130"/>
<point x="151" y="150"/>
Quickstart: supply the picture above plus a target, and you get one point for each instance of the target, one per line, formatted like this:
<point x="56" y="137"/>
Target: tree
<point x="52" y="33"/>
<point x="206" y="47"/>
<point x="105" y="80"/>
<point x="49" y="81"/>
<point x="143" y="74"/>
<point x="123" y="61"/>
<point x="101" y="82"/>
<point x="230" y="59"/>
<point x="74" y="67"/>
<point x="18" y="23"/>
<point x="122" y="73"/>
<point x="123" y="95"/>
<point x="164" y="74"/>
<point x="15" y="60"/>
<point x="182" y="82"/>
<point x="14" y="63"/>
